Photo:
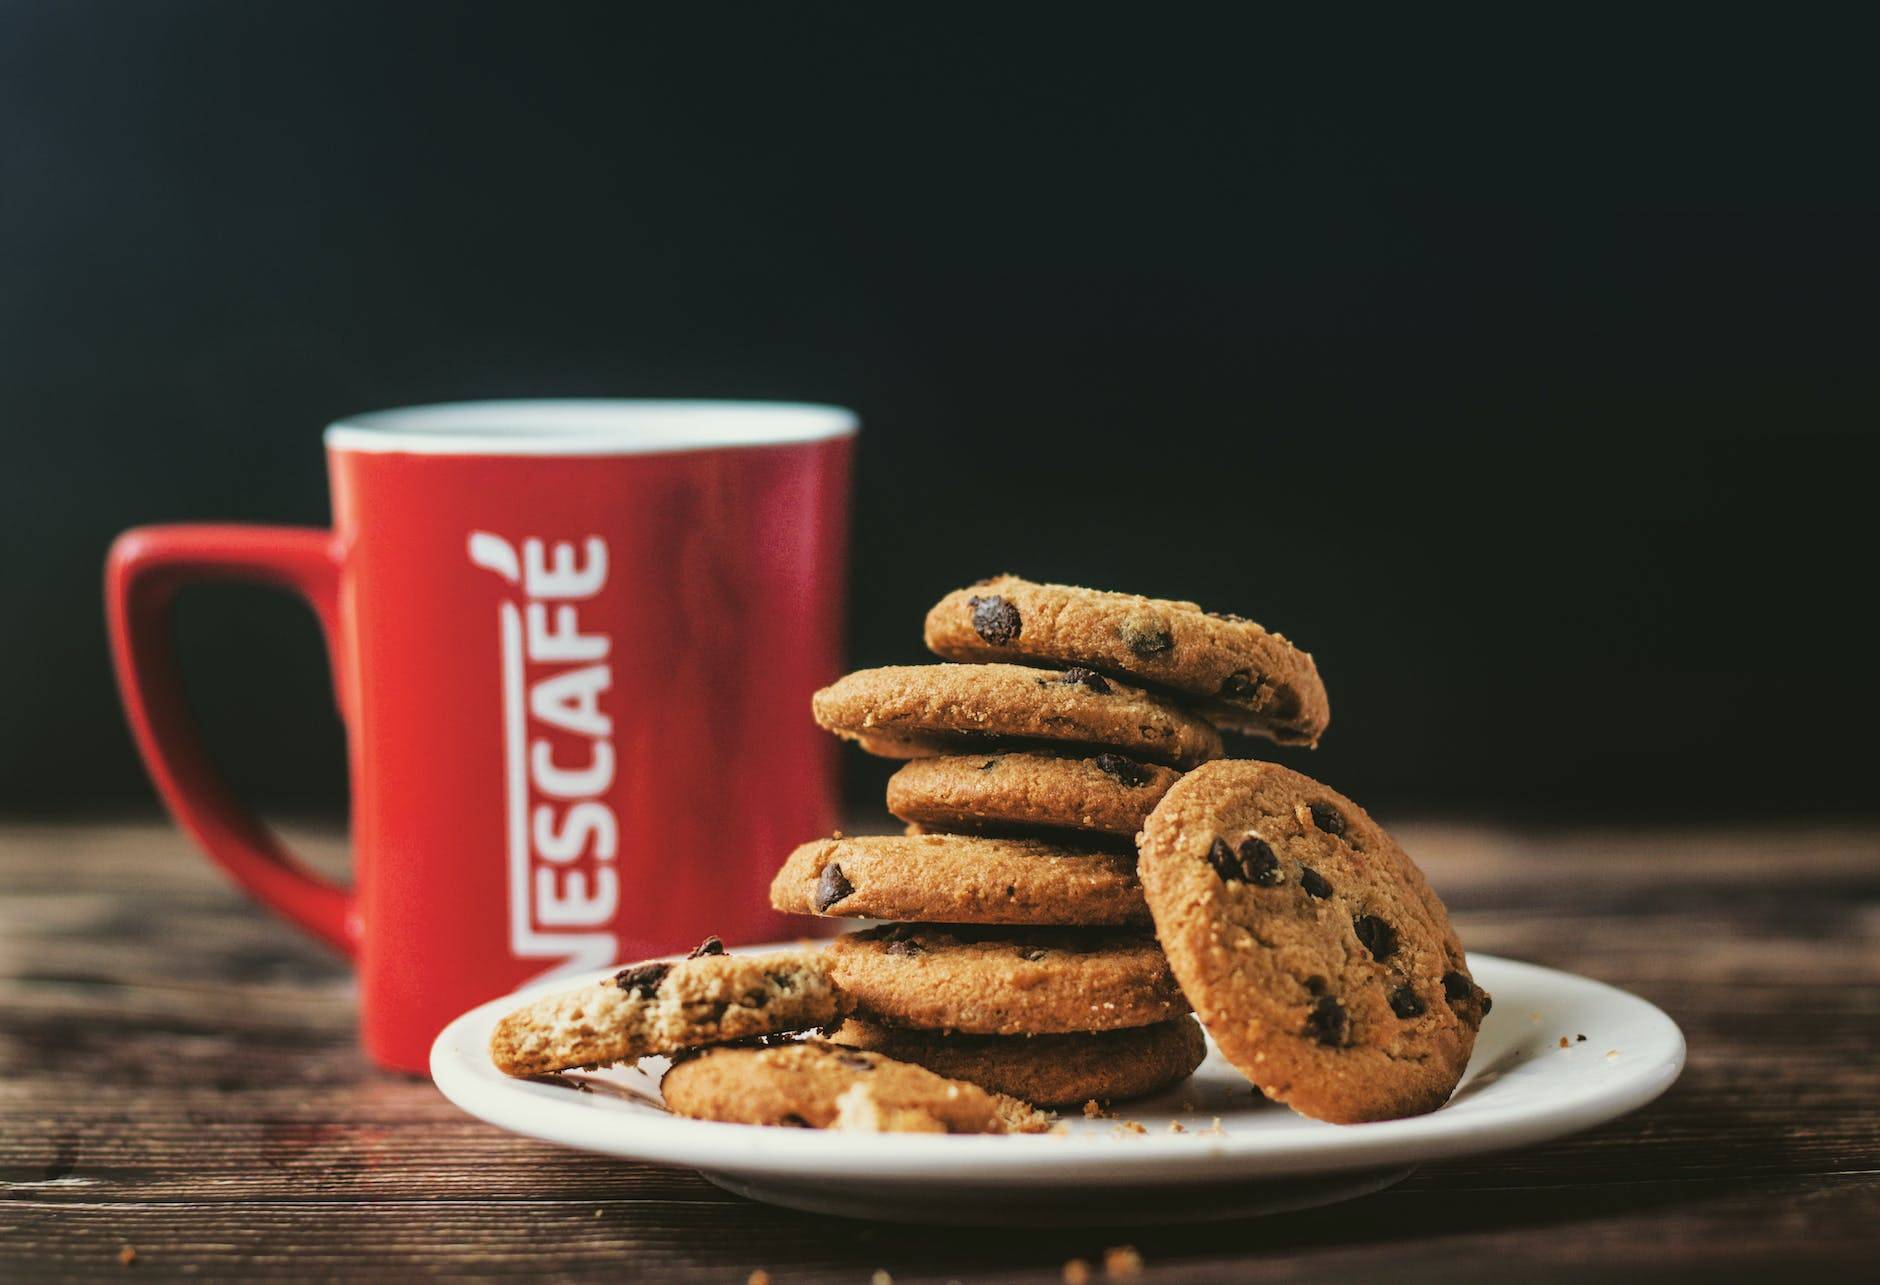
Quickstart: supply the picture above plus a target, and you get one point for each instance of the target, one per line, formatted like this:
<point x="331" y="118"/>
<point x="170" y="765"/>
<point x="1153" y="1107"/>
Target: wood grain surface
<point x="179" y="1080"/>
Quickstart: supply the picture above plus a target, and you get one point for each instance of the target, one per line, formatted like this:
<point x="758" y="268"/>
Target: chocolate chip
<point x="642" y="979"/>
<point x="1405" y="1003"/>
<point x="856" y="1060"/>
<point x="830" y="888"/>
<point x="1238" y="686"/>
<point x="710" y="946"/>
<point x="1326" y="1023"/>
<point x="1035" y="954"/>
<point x="988" y="765"/>
<point x="1261" y="865"/>
<point x="1126" y="771"/>
<point x="1378" y="937"/>
<point x="1253" y="863"/>
<point x="995" y="620"/>
<point x="1315" y="985"/>
<point x="1488" y="1003"/>
<point x="1089" y="678"/>
<point x="1328" y="818"/>
<point x="1222" y="858"/>
<point x="1314" y="882"/>
<point x="1146" y="637"/>
<point x="791" y="1120"/>
<point x="905" y="946"/>
<point x="1457" y="987"/>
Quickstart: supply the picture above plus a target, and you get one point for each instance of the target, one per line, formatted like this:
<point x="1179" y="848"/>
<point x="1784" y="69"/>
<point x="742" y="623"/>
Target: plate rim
<point x="563" y="1118"/>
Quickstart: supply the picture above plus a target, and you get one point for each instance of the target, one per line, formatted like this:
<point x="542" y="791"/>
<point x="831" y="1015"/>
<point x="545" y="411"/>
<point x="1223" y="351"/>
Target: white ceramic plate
<point x="1236" y="1154"/>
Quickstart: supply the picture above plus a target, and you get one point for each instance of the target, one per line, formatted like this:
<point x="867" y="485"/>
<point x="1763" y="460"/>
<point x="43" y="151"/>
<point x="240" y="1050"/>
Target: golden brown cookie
<point x="1038" y="981"/>
<point x="814" y="1084"/>
<point x="1048" y="1070"/>
<point x="1107" y="794"/>
<point x="1239" y="675"/>
<point x="959" y="879"/>
<point x="660" y="1007"/>
<point x="1311" y="946"/>
<point x="915" y="711"/>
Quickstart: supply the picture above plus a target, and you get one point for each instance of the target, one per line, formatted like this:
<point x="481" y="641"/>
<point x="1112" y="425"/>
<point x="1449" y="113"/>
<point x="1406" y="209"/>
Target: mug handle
<point x="143" y="571"/>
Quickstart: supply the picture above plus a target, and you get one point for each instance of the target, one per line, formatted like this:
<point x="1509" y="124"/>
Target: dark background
<point x="1527" y="377"/>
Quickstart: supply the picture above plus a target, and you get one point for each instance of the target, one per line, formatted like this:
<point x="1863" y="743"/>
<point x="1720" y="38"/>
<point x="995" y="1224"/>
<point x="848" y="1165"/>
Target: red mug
<point x="573" y="645"/>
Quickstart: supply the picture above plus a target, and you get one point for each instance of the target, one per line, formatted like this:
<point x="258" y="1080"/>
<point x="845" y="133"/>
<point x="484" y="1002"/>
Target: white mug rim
<point x="588" y="426"/>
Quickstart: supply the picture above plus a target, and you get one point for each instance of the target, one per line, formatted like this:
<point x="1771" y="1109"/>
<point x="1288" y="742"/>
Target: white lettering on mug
<point x="567" y="836"/>
<point x="572" y="700"/>
<point x="558" y="753"/>
<point x="564" y="579"/>
<point x="571" y="783"/>
<point x="569" y="903"/>
<point x="565" y="641"/>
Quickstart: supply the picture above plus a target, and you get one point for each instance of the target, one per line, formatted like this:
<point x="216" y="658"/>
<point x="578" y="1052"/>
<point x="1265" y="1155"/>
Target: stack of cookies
<point x="1021" y="957"/>
<point x="1081" y="871"/>
<point x="732" y="1025"/>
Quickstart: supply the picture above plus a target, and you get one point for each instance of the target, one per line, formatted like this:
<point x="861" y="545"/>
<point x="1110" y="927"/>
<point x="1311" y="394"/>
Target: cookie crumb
<point x="1122" y="1261"/>
<point x="758" y="1277"/>
<point x="1059" y="1130"/>
<point x="1611" y="1054"/>
<point x="126" y="1256"/>
<point x="1175" y="1126"/>
<point x="1076" y="1272"/>
<point x="1215" y="1129"/>
<point x="1093" y="1110"/>
<point x="1563" y="1041"/>
<point x="1127" y="1128"/>
<point x="881" y="1277"/>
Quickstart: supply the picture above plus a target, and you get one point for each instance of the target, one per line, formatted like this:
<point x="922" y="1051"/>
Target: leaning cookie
<point x="1107" y="794"/>
<point x="1049" y="1070"/>
<point x="1033" y="981"/>
<point x="1240" y="675"/>
<point x="959" y="879"/>
<point x="661" y="1008"/>
<point x="814" y="1084"/>
<point x="916" y="711"/>
<point x="1311" y="946"/>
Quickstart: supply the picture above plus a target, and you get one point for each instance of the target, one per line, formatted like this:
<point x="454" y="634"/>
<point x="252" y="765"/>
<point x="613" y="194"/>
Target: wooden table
<point x="178" y="1077"/>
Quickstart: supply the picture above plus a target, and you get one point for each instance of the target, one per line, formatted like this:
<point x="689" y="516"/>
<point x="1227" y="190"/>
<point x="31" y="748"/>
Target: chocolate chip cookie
<point x="1312" y="948"/>
<point x="1238" y="674"/>
<point x="660" y="1007"/>
<point x="916" y="711"/>
<point x="1107" y="794"/>
<point x="814" y="1084"/>
<point x="959" y="879"/>
<point x="1037" y="981"/>
<point x="1048" y="1070"/>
